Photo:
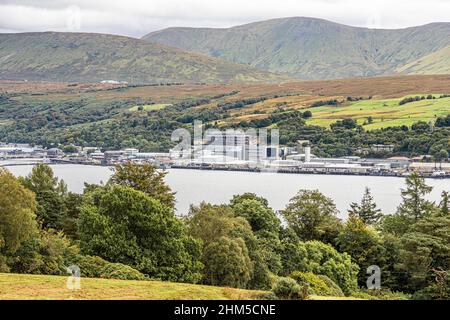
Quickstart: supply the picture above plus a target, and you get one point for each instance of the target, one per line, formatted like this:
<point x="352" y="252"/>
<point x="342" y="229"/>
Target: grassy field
<point x="385" y="113"/>
<point x="14" y="286"/>
<point x="150" y="107"/>
<point x="37" y="287"/>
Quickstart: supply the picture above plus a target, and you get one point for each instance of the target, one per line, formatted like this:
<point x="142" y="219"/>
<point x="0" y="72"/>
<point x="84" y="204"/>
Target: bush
<point x="267" y="296"/>
<point x="307" y="114"/>
<point x="50" y="253"/>
<point x="325" y="260"/>
<point x="380" y="295"/>
<point x="3" y="265"/>
<point x="318" y="284"/>
<point x="96" y="267"/>
<point x="289" y="289"/>
<point x="335" y="290"/>
<point x="121" y="271"/>
<point x="227" y="263"/>
<point x="434" y="292"/>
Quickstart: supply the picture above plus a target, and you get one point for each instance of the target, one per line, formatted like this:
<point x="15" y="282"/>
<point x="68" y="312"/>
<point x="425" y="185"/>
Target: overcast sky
<point x="138" y="17"/>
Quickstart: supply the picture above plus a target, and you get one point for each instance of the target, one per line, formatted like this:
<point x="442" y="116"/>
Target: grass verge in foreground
<point x="15" y="286"/>
<point x="39" y="287"/>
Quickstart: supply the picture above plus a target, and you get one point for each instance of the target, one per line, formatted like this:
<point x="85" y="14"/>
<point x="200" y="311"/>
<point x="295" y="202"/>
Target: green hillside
<point x="384" y="113"/>
<point x="78" y="57"/>
<point x="435" y="63"/>
<point x="312" y="48"/>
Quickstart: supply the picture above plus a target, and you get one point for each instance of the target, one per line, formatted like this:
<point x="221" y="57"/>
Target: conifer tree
<point x="445" y="211"/>
<point x="367" y="210"/>
<point x="414" y="205"/>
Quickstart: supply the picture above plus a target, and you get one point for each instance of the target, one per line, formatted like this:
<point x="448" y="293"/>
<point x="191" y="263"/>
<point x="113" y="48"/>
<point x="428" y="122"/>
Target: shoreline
<point x="310" y="172"/>
<point x="194" y="186"/>
<point x="253" y="170"/>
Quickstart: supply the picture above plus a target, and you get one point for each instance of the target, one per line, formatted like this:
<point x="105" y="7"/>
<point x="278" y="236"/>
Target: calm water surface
<point x="195" y="186"/>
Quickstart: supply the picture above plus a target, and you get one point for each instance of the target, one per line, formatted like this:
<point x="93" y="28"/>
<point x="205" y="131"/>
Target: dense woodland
<point x="128" y="229"/>
<point x="110" y="125"/>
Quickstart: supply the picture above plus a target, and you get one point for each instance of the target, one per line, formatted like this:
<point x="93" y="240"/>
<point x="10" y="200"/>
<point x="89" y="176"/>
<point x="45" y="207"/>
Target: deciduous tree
<point x="362" y="243"/>
<point x="228" y="263"/>
<point x="312" y="216"/>
<point x="212" y="224"/>
<point x="17" y="218"/>
<point x="124" y="225"/>
<point x="146" y="178"/>
<point x="323" y="259"/>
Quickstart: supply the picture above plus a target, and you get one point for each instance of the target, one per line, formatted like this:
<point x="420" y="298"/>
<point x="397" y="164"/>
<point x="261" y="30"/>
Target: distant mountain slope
<point x="311" y="48"/>
<point x="435" y="63"/>
<point x="94" y="57"/>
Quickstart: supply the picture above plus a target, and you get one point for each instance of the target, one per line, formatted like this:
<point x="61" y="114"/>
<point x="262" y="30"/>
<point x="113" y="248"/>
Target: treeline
<point x="31" y="117"/>
<point x="275" y="118"/>
<point x="352" y="99"/>
<point x="240" y="104"/>
<point x="127" y="229"/>
<point x="321" y="103"/>
<point x="347" y="138"/>
<point x="443" y="122"/>
<point x="109" y="125"/>
<point x="419" y="98"/>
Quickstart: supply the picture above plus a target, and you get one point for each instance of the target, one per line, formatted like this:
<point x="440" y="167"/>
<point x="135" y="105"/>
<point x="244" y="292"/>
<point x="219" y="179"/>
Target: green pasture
<point x="384" y="113"/>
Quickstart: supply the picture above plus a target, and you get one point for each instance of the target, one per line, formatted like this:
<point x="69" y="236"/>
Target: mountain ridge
<point x="296" y="17"/>
<point x="93" y="57"/>
<point x="311" y="48"/>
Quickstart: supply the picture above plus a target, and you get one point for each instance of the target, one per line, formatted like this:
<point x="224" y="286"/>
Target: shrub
<point x="380" y="295"/>
<point x="3" y="265"/>
<point x="227" y="263"/>
<point x="50" y="252"/>
<point x="307" y="114"/>
<point x="96" y="267"/>
<point x="325" y="260"/>
<point x="121" y="271"/>
<point x="335" y="290"/>
<point x="289" y="289"/>
<point x="318" y="284"/>
<point x="435" y="291"/>
<point x="267" y="296"/>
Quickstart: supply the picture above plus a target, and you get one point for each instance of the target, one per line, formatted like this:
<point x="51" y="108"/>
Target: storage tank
<point x="308" y="154"/>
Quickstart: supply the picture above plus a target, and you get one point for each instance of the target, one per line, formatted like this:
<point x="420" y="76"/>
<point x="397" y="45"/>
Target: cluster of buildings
<point x="236" y="152"/>
<point x="17" y="151"/>
<point x="24" y="154"/>
<point x="246" y="153"/>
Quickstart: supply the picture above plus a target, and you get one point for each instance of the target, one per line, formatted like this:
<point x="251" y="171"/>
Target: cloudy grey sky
<point x="138" y="17"/>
